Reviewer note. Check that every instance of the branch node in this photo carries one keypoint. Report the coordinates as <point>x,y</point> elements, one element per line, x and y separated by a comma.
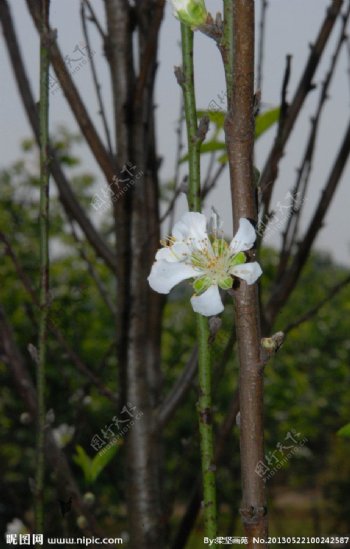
<point>252,515</point>
<point>202,130</point>
<point>270,345</point>
<point>179,75</point>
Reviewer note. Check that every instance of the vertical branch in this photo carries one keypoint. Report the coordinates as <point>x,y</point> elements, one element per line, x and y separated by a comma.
<point>97,85</point>
<point>239,131</point>
<point>136,227</point>
<point>204,360</point>
<point>262,33</point>
<point>44,263</point>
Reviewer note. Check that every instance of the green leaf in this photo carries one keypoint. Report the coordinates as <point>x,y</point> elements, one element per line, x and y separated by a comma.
<point>69,160</point>
<point>85,463</point>
<point>344,431</point>
<point>264,121</point>
<point>101,460</point>
<point>92,468</point>
<point>27,145</point>
<point>223,159</point>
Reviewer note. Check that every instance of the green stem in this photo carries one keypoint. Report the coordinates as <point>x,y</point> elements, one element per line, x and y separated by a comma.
<point>204,358</point>
<point>44,267</point>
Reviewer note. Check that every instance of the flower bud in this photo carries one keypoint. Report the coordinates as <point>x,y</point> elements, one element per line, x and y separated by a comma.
<point>25,418</point>
<point>190,12</point>
<point>81,522</point>
<point>89,498</point>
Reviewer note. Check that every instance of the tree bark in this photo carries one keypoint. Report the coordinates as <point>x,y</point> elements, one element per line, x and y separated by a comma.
<point>238,55</point>
<point>136,222</point>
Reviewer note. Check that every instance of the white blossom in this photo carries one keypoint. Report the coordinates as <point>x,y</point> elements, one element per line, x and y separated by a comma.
<point>63,434</point>
<point>16,526</point>
<point>191,253</point>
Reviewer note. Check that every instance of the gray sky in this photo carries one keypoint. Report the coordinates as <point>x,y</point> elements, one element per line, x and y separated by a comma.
<point>291,26</point>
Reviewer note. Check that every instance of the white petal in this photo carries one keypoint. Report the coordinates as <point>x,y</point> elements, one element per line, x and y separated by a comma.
<point>209,303</point>
<point>249,272</point>
<point>165,275</point>
<point>165,254</point>
<point>177,252</point>
<point>244,237</point>
<point>191,225</point>
<point>179,4</point>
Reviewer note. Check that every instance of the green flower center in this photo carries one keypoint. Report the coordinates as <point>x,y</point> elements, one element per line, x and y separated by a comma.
<point>215,261</point>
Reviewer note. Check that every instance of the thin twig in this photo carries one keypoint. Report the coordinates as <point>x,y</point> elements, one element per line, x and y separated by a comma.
<point>94,274</point>
<point>348,55</point>
<point>270,171</point>
<point>95,79</point>
<point>269,216</point>
<point>261,49</point>
<point>67,196</point>
<point>283,288</point>
<point>179,390</point>
<point>314,310</point>
<point>75,359</point>
<point>210,185</point>
<point>95,20</point>
<point>177,191</point>
<point>290,232</point>
<point>76,104</point>
<point>284,92</point>
<point>65,481</point>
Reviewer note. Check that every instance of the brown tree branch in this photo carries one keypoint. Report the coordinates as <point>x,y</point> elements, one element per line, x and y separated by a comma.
<point>170,211</point>
<point>76,360</point>
<point>94,19</point>
<point>75,102</point>
<point>314,310</point>
<point>238,55</point>
<point>178,391</point>
<point>94,274</point>
<point>270,171</point>
<point>262,33</point>
<point>66,485</point>
<point>139,314</point>
<point>150,50</point>
<point>210,184</point>
<point>67,197</point>
<point>119,50</point>
<point>291,230</point>
<point>97,85</point>
<point>284,92</point>
<point>283,288</point>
